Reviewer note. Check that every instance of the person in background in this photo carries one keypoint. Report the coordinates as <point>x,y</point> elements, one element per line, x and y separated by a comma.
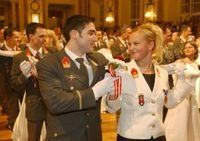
<point>70,84</point>
<point>52,40</point>
<point>187,122</point>
<point>9,97</point>
<point>120,47</point>
<point>145,88</point>
<point>24,77</point>
<point>60,36</point>
<point>175,36</point>
<point>185,32</point>
<point>100,43</point>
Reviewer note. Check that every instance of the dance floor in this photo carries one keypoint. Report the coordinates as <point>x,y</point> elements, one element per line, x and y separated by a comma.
<point>108,128</point>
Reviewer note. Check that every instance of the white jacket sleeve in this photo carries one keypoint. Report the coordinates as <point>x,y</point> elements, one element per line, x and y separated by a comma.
<point>178,93</point>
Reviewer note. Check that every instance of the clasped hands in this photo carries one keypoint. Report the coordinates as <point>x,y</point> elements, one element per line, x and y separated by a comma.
<point>112,84</point>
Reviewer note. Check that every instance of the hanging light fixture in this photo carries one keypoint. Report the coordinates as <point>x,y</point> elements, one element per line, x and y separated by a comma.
<point>110,18</point>
<point>150,11</point>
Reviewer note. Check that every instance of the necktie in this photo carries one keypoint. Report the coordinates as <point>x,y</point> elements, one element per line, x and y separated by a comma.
<point>38,55</point>
<point>83,70</point>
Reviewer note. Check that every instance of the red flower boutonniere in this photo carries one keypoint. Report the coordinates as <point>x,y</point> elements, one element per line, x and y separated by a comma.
<point>65,62</point>
<point>28,52</point>
<point>30,56</point>
<point>134,73</point>
<point>111,68</point>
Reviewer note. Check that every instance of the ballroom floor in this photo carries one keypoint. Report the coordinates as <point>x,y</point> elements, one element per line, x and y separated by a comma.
<point>108,128</point>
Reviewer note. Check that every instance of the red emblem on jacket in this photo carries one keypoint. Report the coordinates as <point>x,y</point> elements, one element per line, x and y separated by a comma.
<point>65,62</point>
<point>141,99</point>
<point>134,73</point>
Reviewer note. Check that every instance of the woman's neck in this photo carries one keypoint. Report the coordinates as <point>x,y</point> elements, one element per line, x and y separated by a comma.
<point>146,68</point>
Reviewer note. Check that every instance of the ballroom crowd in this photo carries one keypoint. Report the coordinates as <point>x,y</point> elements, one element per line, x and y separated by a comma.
<point>64,77</point>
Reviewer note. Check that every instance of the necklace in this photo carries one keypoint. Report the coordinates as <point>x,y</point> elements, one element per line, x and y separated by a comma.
<point>147,70</point>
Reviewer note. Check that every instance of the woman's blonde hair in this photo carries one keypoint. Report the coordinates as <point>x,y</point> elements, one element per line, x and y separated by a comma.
<point>153,32</point>
<point>54,40</point>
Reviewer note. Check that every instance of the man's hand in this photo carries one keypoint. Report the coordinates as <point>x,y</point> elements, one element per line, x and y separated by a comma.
<point>26,68</point>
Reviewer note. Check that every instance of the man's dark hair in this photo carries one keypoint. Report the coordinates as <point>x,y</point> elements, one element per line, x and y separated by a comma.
<point>31,28</point>
<point>184,27</point>
<point>8,32</point>
<point>76,22</point>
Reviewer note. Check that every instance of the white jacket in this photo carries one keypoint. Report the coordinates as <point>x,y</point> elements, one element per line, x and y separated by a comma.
<point>144,121</point>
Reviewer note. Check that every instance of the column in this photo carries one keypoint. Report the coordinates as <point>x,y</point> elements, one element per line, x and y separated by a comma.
<point>21,13</point>
<point>13,5</point>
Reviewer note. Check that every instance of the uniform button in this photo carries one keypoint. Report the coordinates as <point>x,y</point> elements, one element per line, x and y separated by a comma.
<point>153,126</point>
<point>55,134</point>
<point>153,114</point>
<point>87,126</point>
<point>71,88</point>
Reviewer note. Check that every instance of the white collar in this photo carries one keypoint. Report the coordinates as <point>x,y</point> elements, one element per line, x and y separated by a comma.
<point>9,48</point>
<point>33,51</point>
<point>73,56</point>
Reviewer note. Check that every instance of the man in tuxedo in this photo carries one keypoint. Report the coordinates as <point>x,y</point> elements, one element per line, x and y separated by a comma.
<point>9,97</point>
<point>71,89</point>
<point>24,78</point>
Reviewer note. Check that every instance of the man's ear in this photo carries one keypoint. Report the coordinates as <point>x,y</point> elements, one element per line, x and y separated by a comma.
<point>74,34</point>
<point>31,36</point>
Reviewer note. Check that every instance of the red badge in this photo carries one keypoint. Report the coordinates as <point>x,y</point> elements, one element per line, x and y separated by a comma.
<point>141,99</point>
<point>65,62</point>
<point>134,73</point>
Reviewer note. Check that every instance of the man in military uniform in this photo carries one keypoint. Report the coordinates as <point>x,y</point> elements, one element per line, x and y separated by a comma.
<point>70,84</point>
<point>100,43</point>
<point>120,47</point>
<point>24,77</point>
<point>178,44</point>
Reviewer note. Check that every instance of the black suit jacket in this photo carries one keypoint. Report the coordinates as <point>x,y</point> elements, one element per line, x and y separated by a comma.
<point>5,68</point>
<point>72,112</point>
<point>35,109</point>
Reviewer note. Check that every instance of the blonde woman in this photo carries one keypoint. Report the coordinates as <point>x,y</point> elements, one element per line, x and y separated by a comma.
<point>145,89</point>
<point>52,40</point>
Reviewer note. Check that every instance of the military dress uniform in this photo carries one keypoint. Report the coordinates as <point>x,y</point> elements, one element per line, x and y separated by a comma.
<point>35,110</point>
<point>73,114</point>
<point>120,50</point>
<point>99,45</point>
<point>178,47</point>
<point>141,107</point>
